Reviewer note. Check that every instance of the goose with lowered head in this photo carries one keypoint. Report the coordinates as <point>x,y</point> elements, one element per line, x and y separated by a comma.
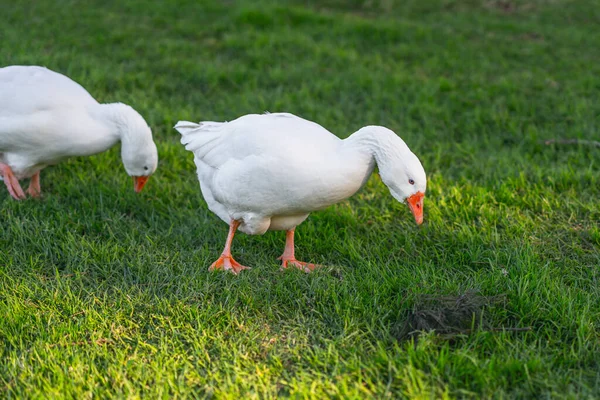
<point>46,118</point>
<point>268,172</point>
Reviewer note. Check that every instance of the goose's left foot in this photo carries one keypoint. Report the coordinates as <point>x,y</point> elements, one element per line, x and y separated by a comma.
<point>34,188</point>
<point>292,262</point>
<point>11,182</point>
<point>289,260</point>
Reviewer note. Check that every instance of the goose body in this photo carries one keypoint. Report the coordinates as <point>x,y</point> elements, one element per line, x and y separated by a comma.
<point>268,172</point>
<point>45,118</point>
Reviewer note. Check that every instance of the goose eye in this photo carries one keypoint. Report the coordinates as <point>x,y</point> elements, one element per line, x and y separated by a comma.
<point>411,181</point>
<point>145,168</point>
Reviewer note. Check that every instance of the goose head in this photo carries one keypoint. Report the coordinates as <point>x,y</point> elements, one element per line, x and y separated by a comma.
<point>405,177</point>
<point>399,168</point>
<point>138,151</point>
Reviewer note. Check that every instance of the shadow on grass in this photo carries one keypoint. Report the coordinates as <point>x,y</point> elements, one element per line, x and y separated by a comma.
<point>450,316</point>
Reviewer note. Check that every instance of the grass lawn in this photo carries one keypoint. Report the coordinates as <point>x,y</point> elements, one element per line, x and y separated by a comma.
<point>106,293</point>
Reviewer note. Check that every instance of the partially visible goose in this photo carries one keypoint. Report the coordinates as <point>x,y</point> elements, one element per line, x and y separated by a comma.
<point>46,117</point>
<point>268,172</point>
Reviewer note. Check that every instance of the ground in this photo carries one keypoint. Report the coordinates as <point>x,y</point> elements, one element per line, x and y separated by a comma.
<point>106,293</point>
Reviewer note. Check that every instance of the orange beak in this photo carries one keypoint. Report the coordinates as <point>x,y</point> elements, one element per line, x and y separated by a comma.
<point>415,203</point>
<point>139,182</point>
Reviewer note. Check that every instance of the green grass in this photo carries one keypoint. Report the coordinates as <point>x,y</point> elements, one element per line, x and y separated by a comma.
<point>106,293</point>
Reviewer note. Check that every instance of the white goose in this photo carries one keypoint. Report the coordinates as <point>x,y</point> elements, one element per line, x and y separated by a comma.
<point>46,117</point>
<point>268,172</point>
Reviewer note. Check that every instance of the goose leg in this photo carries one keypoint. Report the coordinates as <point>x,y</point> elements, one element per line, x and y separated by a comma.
<point>34,189</point>
<point>226,261</point>
<point>11,182</point>
<point>288,259</point>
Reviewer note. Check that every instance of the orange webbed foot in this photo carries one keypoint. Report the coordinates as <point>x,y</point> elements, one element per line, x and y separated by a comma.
<point>34,192</point>
<point>227,263</point>
<point>292,262</point>
<point>12,183</point>
<point>34,188</point>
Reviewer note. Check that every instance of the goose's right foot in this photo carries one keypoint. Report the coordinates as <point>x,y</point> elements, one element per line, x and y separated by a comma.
<point>226,261</point>
<point>34,189</point>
